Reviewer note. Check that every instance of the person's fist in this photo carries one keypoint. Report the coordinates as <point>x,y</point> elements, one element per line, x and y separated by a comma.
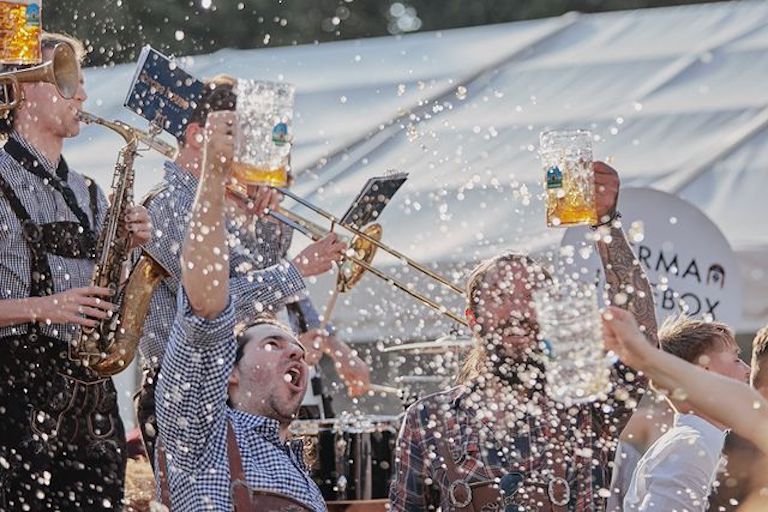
<point>622,336</point>
<point>220,131</point>
<point>606,190</point>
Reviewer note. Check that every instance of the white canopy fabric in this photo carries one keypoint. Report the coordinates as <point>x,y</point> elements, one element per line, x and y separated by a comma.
<point>676,97</point>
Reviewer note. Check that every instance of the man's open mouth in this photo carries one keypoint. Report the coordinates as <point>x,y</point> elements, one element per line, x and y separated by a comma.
<point>294,377</point>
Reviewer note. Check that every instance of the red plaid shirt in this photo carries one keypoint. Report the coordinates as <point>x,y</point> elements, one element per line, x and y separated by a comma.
<point>484,450</point>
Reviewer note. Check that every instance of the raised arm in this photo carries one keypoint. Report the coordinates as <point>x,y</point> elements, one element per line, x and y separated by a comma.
<point>192,387</point>
<point>627,285</point>
<point>205,258</point>
<point>744,410</point>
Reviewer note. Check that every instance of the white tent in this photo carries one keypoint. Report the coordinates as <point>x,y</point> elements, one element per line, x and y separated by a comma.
<point>677,97</point>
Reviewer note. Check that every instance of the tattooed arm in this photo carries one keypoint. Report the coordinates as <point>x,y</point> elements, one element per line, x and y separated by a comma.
<point>627,287</point>
<point>626,284</point>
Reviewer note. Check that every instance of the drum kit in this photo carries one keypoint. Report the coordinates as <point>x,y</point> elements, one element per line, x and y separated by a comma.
<point>352,457</point>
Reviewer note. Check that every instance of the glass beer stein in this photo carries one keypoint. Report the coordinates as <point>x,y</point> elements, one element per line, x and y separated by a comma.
<point>20,31</point>
<point>569,180</point>
<point>263,147</point>
<point>571,333</point>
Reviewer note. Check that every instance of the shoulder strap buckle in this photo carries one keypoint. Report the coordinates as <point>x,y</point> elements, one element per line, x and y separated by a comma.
<point>33,233</point>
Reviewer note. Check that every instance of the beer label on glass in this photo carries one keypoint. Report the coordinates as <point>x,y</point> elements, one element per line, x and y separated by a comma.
<point>20,30</point>
<point>554,177</point>
<point>280,134</point>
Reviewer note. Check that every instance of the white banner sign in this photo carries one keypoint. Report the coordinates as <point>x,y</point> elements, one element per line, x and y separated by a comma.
<point>689,262</point>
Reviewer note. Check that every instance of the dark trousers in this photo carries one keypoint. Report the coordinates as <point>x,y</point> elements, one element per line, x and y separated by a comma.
<point>61,436</point>
<point>144,401</point>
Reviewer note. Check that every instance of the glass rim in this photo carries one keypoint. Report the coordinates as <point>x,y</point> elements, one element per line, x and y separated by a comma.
<point>268,83</point>
<point>565,132</point>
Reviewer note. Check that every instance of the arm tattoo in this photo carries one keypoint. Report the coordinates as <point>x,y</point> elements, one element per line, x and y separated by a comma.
<point>626,283</point>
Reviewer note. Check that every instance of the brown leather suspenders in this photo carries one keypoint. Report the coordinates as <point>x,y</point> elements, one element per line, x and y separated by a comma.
<point>244,499</point>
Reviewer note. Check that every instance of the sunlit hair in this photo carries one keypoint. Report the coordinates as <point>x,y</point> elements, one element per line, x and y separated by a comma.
<point>689,338</point>
<point>47,42</point>
<point>759,359</point>
<point>218,96</point>
<point>241,331</point>
<point>535,275</point>
<point>50,39</point>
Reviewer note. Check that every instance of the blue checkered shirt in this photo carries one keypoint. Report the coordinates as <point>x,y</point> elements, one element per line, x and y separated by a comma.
<point>273,240</point>
<point>44,204</point>
<point>192,415</point>
<point>254,286</point>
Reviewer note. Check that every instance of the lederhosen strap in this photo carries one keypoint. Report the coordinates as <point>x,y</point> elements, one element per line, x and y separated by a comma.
<point>241,497</point>
<point>241,494</point>
<point>463,495</point>
<point>246,499</point>
<point>162,474</point>
<point>58,180</point>
<point>93,195</point>
<point>66,239</point>
<point>474,497</point>
<point>42,279</point>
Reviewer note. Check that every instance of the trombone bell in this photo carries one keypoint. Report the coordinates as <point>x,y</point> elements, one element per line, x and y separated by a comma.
<point>351,271</point>
<point>366,241</point>
<point>62,70</point>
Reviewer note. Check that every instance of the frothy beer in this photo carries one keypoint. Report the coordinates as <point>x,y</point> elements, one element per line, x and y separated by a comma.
<point>566,157</point>
<point>20,32</point>
<point>262,153</point>
<point>250,174</point>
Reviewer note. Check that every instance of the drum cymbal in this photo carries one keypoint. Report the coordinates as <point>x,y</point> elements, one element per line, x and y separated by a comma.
<point>438,346</point>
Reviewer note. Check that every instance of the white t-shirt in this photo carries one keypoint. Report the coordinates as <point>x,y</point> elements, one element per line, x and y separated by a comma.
<point>625,461</point>
<point>677,471</point>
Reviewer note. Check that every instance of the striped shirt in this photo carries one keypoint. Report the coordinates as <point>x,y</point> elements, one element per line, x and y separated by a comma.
<point>192,414</point>
<point>254,286</point>
<point>44,205</point>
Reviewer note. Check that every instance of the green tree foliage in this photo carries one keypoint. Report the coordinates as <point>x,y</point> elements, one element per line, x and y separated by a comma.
<point>115,30</point>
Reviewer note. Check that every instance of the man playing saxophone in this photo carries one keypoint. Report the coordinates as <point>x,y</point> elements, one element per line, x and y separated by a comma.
<point>61,438</point>
<point>255,287</point>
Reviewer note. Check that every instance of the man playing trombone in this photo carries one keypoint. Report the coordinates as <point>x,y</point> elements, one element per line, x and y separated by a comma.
<point>61,438</point>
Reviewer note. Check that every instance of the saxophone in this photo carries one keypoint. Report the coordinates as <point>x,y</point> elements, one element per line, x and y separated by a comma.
<point>110,347</point>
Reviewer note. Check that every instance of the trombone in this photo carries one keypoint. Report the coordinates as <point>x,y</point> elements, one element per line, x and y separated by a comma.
<point>62,71</point>
<point>363,247</point>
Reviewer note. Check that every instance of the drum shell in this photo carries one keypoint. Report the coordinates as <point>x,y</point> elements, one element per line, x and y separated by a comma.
<point>351,460</point>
